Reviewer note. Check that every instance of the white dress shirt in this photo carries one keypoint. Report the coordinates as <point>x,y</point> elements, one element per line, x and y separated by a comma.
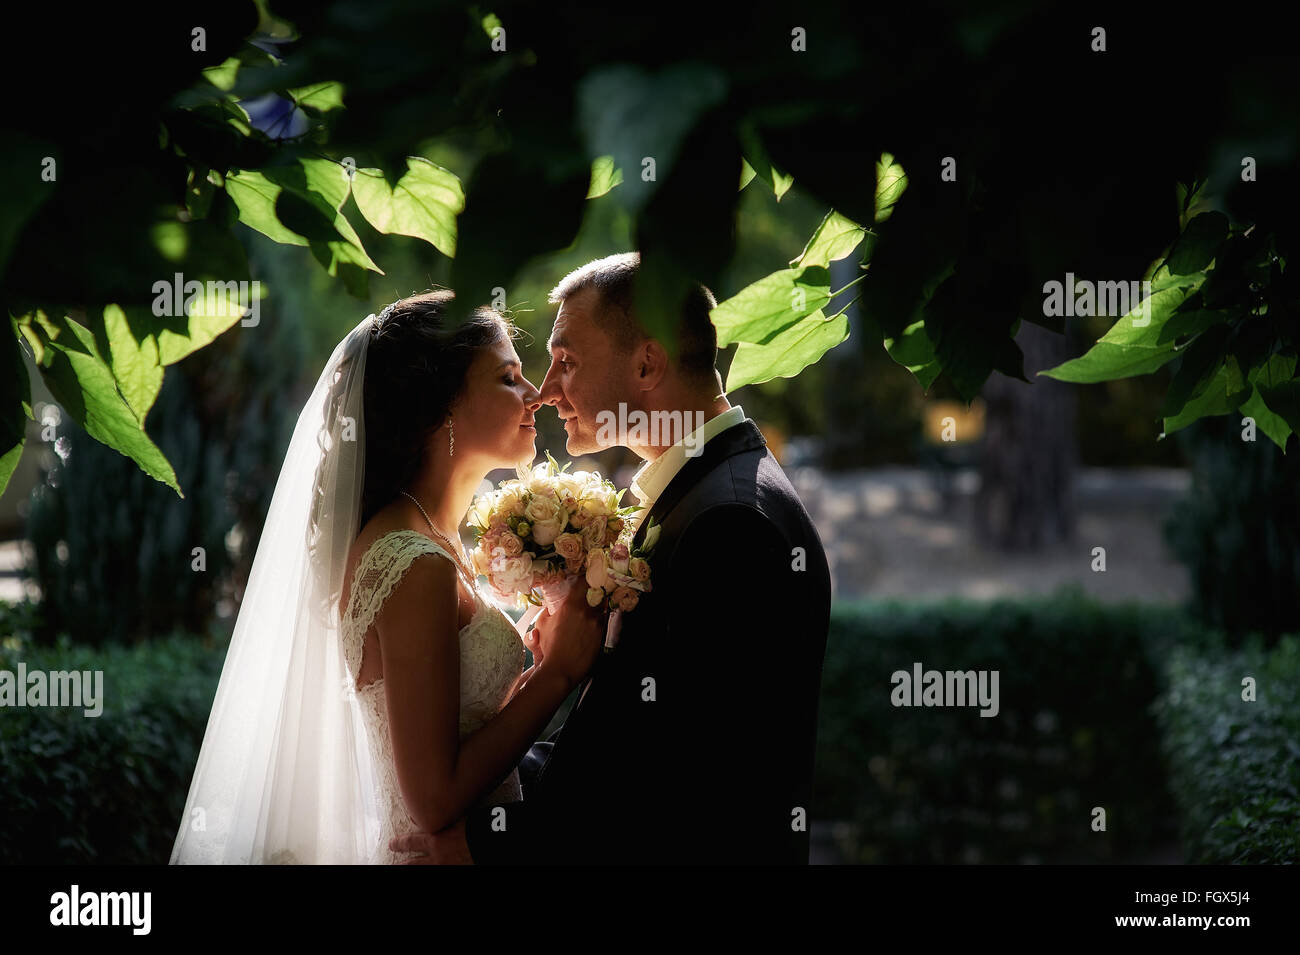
<point>650,481</point>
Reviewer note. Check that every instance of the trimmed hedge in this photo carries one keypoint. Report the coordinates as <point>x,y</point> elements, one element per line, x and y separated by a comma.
<point>1234,764</point>
<point>1078,727</point>
<point>111,788</point>
<point>945,785</point>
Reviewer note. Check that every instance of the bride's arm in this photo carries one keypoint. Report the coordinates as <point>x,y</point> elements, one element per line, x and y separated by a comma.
<point>441,776</point>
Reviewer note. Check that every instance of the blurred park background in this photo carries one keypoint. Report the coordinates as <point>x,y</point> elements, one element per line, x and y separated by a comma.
<point>1120,688</point>
<point>1123,585</point>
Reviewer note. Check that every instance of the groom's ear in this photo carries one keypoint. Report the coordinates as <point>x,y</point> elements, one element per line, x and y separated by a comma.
<point>651,363</point>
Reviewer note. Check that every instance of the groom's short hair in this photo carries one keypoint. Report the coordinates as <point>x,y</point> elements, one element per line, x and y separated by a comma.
<point>614,279</point>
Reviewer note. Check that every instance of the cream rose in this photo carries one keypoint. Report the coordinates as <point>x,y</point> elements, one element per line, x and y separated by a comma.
<point>597,569</point>
<point>624,598</point>
<point>593,535</point>
<point>569,546</point>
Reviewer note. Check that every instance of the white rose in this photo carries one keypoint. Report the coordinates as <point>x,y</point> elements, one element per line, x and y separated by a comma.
<point>597,569</point>
<point>545,532</point>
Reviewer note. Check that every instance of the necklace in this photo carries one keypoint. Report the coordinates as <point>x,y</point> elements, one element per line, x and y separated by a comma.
<point>454,549</point>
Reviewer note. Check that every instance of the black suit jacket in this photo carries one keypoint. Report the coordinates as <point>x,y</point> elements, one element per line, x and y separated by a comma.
<point>693,740</point>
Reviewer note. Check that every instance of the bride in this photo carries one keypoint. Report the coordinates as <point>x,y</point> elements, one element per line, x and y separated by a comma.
<point>368,693</point>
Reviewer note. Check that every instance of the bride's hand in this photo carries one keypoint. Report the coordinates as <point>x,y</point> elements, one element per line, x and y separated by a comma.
<point>531,635</point>
<point>571,640</point>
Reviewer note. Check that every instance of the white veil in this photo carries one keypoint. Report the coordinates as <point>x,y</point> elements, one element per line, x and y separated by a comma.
<point>284,774</point>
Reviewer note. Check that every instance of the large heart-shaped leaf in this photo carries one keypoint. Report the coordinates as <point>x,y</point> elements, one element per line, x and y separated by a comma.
<point>758,312</point>
<point>424,203</point>
<point>789,352</point>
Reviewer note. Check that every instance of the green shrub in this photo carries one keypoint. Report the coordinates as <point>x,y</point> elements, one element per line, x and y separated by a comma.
<point>1078,727</point>
<point>1234,764</point>
<point>1074,731</point>
<point>111,788</point>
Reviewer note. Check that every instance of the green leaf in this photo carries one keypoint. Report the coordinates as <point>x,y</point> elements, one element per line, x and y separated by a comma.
<point>747,174</point>
<point>1223,394</point>
<point>254,196</point>
<point>223,75</point>
<point>1284,401</point>
<point>760,311</point>
<point>1276,370</point>
<point>257,194</point>
<point>15,403</point>
<point>1132,346</point>
<point>136,365</point>
<point>321,97</point>
<point>891,183</point>
<point>915,352</point>
<point>756,159</point>
<point>84,386</point>
<point>835,237</point>
<point>604,176</point>
<point>424,203</point>
<point>304,217</point>
<point>204,321</point>
<point>789,353</point>
<point>1198,244</point>
<point>1273,425</point>
<point>1185,324</point>
<point>1200,362</point>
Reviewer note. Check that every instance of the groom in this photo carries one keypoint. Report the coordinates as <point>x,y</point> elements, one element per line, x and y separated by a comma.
<point>692,740</point>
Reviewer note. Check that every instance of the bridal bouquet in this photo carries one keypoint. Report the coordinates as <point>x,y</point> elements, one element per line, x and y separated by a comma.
<point>541,533</point>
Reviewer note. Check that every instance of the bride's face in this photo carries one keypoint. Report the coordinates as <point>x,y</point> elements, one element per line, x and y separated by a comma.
<point>495,418</point>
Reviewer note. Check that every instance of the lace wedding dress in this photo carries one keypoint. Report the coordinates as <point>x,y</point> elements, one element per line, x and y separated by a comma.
<point>491,659</point>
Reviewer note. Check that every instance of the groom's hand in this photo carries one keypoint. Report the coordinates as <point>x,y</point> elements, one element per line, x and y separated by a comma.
<point>445,847</point>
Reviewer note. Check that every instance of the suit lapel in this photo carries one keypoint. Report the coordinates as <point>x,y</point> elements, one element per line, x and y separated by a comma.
<point>744,436</point>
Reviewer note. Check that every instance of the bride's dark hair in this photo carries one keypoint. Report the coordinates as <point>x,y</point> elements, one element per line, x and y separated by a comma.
<point>415,367</point>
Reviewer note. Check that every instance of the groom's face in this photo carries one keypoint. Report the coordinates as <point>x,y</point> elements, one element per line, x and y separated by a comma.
<point>587,376</point>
